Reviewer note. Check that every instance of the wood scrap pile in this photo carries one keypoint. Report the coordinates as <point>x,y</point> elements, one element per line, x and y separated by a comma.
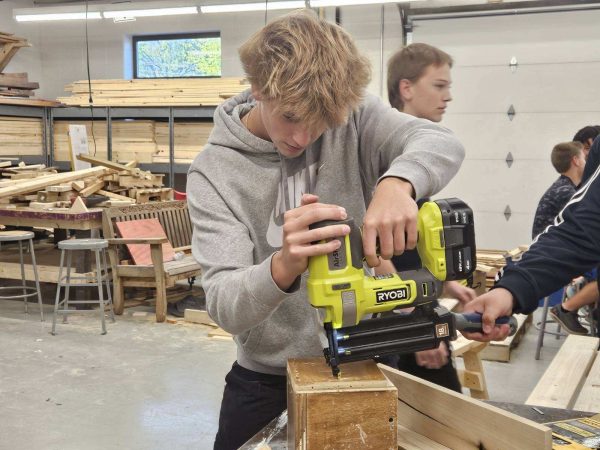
<point>154,92</point>
<point>131,140</point>
<point>491,261</point>
<point>21,136</point>
<point>15,88</point>
<point>39,187</point>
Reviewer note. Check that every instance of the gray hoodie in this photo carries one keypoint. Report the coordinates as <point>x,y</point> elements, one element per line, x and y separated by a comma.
<point>239,187</point>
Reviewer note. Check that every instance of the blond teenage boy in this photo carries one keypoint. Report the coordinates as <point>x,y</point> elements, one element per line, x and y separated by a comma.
<point>305,144</point>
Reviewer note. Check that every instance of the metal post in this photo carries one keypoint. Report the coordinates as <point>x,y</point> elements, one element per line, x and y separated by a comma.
<point>381,31</point>
<point>108,134</point>
<point>171,147</point>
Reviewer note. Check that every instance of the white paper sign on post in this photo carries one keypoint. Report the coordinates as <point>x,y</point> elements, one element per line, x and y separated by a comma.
<point>78,144</point>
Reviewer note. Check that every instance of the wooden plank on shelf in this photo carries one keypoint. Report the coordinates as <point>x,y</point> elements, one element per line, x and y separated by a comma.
<point>28,102</point>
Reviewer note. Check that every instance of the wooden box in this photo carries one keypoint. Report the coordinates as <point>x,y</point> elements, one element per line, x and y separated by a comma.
<point>356,410</point>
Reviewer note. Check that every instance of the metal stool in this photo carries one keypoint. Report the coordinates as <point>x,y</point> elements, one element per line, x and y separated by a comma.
<point>541,325</point>
<point>98,246</point>
<point>28,291</point>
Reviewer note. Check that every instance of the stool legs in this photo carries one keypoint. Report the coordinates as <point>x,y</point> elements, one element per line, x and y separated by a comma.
<point>67,286</point>
<point>100,295</point>
<point>23,276</point>
<point>56,301</point>
<point>101,278</point>
<point>107,281</point>
<point>37,279</point>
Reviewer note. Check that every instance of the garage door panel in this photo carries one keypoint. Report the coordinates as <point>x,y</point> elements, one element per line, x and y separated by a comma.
<point>538,88</point>
<point>493,231</point>
<point>527,136</point>
<point>486,185</point>
<point>532,38</point>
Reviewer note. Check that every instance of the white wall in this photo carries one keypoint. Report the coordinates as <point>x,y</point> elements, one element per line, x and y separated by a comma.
<point>27,59</point>
<point>62,44</point>
<point>553,91</point>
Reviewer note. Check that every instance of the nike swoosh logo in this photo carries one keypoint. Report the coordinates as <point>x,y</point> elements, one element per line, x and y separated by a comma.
<point>274,230</point>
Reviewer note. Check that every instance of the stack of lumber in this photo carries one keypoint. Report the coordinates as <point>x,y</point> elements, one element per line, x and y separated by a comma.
<point>42,188</point>
<point>190,139</point>
<point>21,136</point>
<point>491,261</point>
<point>16,85</point>
<point>131,140</point>
<point>154,92</point>
<point>15,88</point>
<point>145,141</point>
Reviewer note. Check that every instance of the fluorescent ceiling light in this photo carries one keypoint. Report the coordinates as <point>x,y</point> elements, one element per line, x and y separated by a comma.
<point>240,7</point>
<point>157,12</point>
<point>294,4</point>
<point>324,3</point>
<point>56,16</point>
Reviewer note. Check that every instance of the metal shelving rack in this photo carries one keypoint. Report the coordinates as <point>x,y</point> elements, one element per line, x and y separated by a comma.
<point>108,113</point>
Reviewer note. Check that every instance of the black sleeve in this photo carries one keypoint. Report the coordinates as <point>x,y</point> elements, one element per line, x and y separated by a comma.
<point>593,161</point>
<point>563,252</point>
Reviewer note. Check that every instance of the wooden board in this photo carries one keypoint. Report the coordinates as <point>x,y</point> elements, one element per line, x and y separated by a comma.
<point>457,421</point>
<point>589,396</point>
<point>357,410</point>
<point>409,440</point>
<point>145,228</point>
<point>28,102</point>
<point>198,316</point>
<point>562,381</point>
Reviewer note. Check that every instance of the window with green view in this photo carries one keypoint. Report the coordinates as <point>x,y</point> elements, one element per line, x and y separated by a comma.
<point>176,56</point>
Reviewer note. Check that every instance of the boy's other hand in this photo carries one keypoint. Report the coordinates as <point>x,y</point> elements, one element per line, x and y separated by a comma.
<point>299,241</point>
<point>454,289</point>
<point>391,216</point>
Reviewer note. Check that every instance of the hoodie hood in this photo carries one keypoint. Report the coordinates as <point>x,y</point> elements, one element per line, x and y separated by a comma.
<point>230,132</point>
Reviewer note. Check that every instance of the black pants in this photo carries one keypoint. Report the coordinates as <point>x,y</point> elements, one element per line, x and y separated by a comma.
<point>445,376</point>
<point>250,401</point>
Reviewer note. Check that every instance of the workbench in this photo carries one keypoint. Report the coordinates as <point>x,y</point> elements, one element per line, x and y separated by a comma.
<point>59,218</point>
<point>86,224</point>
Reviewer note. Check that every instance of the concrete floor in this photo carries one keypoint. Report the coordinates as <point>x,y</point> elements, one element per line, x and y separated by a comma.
<point>144,385</point>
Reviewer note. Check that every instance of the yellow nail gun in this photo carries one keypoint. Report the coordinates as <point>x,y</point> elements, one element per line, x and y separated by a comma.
<point>337,283</point>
